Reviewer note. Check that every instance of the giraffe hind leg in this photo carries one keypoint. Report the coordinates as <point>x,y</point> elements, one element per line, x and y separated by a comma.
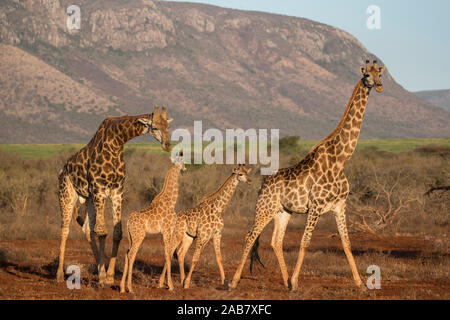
<point>254,255</point>
<point>260,223</point>
<point>67,200</point>
<point>99,199</point>
<point>280,223</point>
<point>88,228</point>
<point>311,222</point>
<point>199,246</point>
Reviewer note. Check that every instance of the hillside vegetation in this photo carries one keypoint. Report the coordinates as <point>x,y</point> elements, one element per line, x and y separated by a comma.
<point>229,68</point>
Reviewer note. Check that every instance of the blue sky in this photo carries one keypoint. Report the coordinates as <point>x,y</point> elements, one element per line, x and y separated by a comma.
<point>414,39</point>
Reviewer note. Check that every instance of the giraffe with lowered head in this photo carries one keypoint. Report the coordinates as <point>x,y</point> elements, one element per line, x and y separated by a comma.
<point>314,186</point>
<point>158,217</point>
<point>97,172</point>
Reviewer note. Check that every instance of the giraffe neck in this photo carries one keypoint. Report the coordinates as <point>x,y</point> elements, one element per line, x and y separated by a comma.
<point>114,132</point>
<point>341,143</point>
<point>348,132</point>
<point>223,195</point>
<point>126,128</point>
<point>169,193</point>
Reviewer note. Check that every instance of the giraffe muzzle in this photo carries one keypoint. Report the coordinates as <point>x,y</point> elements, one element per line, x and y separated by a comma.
<point>379,88</point>
<point>166,147</point>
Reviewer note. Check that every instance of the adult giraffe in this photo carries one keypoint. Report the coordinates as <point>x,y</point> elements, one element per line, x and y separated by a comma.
<point>97,172</point>
<point>314,186</point>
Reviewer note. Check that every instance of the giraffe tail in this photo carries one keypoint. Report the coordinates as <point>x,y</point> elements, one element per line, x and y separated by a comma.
<point>254,256</point>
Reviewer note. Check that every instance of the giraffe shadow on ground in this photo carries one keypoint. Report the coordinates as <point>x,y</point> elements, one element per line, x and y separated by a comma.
<point>18,269</point>
<point>147,273</point>
<point>152,269</point>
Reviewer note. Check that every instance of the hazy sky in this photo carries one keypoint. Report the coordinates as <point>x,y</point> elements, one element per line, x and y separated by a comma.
<point>414,39</point>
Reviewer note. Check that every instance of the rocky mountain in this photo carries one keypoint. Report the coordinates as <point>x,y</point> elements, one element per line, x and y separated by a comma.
<point>229,68</point>
<point>439,98</point>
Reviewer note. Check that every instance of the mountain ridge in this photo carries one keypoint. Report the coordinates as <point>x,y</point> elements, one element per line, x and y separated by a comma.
<point>227,67</point>
<point>439,98</point>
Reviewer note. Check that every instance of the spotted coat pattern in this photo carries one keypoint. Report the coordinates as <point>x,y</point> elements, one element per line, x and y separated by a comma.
<point>314,186</point>
<point>158,217</point>
<point>203,223</point>
<point>97,172</point>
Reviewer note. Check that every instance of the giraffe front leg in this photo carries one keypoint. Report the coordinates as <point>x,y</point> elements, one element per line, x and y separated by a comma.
<point>280,223</point>
<point>216,240</point>
<point>339,212</point>
<point>116,197</point>
<point>99,199</point>
<point>168,259</point>
<point>311,223</point>
<point>67,200</point>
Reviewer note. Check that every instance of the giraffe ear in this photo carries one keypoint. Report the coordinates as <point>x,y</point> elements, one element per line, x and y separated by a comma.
<point>381,70</point>
<point>248,170</point>
<point>363,70</point>
<point>169,120</point>
<point>144,121</point>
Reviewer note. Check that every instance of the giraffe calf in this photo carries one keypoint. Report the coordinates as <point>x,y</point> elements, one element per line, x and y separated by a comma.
<point>203,223</point>
<point>159,217</point>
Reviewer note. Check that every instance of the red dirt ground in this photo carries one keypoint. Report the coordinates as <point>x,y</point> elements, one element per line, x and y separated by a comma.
<point>411,268</point>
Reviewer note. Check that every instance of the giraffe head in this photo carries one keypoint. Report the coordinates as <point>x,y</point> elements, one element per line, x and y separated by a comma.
<point>179,161</point>
<point>158,126</point>
<point>372,75</point>
<point>242,173</point>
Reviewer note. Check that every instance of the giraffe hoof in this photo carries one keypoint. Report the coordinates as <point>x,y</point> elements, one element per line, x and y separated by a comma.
<point>60,277</point>
<point>362,287</point>
<point>292,288</point>
<point>109,281</point>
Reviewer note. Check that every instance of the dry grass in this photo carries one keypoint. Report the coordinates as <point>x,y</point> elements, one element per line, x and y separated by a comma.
<point>29,207</point>
<point>412,249</point>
